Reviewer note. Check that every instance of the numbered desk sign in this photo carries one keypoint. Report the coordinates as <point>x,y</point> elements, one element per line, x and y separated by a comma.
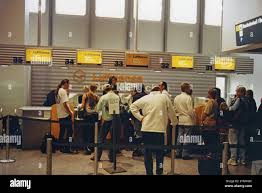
<point>114,106</point>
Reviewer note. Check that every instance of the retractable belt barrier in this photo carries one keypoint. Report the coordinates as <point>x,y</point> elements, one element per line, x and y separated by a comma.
<point>79,122</point>
<point>219,148</point>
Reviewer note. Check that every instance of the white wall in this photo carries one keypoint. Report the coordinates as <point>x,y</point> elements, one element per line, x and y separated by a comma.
<point>249,81</point>
<point>100,33</point>
<point>234,12</point>
<point>12,19</point>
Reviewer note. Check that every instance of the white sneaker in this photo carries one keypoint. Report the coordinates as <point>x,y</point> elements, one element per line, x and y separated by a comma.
<point>232,162</point>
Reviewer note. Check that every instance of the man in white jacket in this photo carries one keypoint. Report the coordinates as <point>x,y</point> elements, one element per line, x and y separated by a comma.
<point>184,108</point>
<point>156,109</point>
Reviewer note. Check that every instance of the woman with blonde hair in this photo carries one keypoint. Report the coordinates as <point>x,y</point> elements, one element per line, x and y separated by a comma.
<point>89,102</point>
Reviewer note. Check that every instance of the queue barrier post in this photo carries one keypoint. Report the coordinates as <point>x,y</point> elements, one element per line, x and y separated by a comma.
<point>2,128</point>
<point>7,147</point>
<point>96,148</point>
<point>96,151</point>
<point>49,156</point>
<point>115,169</point>
<point>224,159</point>
<point>173,152</point>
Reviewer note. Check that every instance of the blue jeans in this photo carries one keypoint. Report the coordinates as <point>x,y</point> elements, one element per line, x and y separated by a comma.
<point>65,125</point>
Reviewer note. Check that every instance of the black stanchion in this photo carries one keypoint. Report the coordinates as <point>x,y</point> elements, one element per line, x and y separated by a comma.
<point>173,152</point>
<point>49,156</point>
<point>7,150</point>
<point>224,165</point>
<point>2,128</point>
<point>115,169</point>
<point>96,151</point>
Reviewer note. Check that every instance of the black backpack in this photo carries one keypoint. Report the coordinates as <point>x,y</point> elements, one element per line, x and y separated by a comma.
<point>44,143</point>
<point>50,99</point>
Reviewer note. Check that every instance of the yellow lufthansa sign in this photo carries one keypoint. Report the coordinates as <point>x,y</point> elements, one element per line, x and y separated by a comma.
<point>225,63</point>
<point>183,62</point>
<point>137,59</point>
<point>89,57</point>
<point>43,56</point>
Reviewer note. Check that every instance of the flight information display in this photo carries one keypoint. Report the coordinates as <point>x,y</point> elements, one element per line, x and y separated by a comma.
<point>249,32</point>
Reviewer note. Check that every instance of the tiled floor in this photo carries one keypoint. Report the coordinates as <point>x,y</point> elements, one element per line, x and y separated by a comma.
<point>34,163</point>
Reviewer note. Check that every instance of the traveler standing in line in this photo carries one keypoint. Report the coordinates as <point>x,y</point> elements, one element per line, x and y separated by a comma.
<point>219,99</point>
<point>164,89</point>
<point>209,119</point>
<point>210,113</point>
<point>255,145</point>
<point>89,102</point>
<point>240,120</point>
<point>211,164</point>
<point>251,125</point>
<point>168,136</point>
<point>136,95</point>
<point>64,112</point>
<point>253,104</point>
<point>260,108</point>
<point>113,82</point>
<point>184,108</point>
<point>103,106</point>
<point>156,109</point>
<point>80,97</point>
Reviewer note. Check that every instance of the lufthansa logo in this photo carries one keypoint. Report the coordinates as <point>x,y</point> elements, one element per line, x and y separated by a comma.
<point>79,76</point>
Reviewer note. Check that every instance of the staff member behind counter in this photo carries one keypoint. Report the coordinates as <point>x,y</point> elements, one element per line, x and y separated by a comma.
<point>64,112</point>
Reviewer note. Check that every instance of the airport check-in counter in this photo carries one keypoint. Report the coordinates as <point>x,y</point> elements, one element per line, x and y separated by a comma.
<point>32,130</point>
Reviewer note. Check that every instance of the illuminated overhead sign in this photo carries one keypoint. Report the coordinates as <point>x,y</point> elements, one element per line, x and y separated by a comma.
<point>38,56</point>
<point>137,59</point>
<point>89,57</point>
<point>183,62</point>
<point>249,32</point>
<point>225,63</point>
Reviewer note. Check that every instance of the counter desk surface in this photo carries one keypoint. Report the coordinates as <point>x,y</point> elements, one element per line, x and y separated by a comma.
<point>33,130</point>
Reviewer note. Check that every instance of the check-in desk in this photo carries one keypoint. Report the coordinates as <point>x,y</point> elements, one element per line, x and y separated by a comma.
<point>33,131</point>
